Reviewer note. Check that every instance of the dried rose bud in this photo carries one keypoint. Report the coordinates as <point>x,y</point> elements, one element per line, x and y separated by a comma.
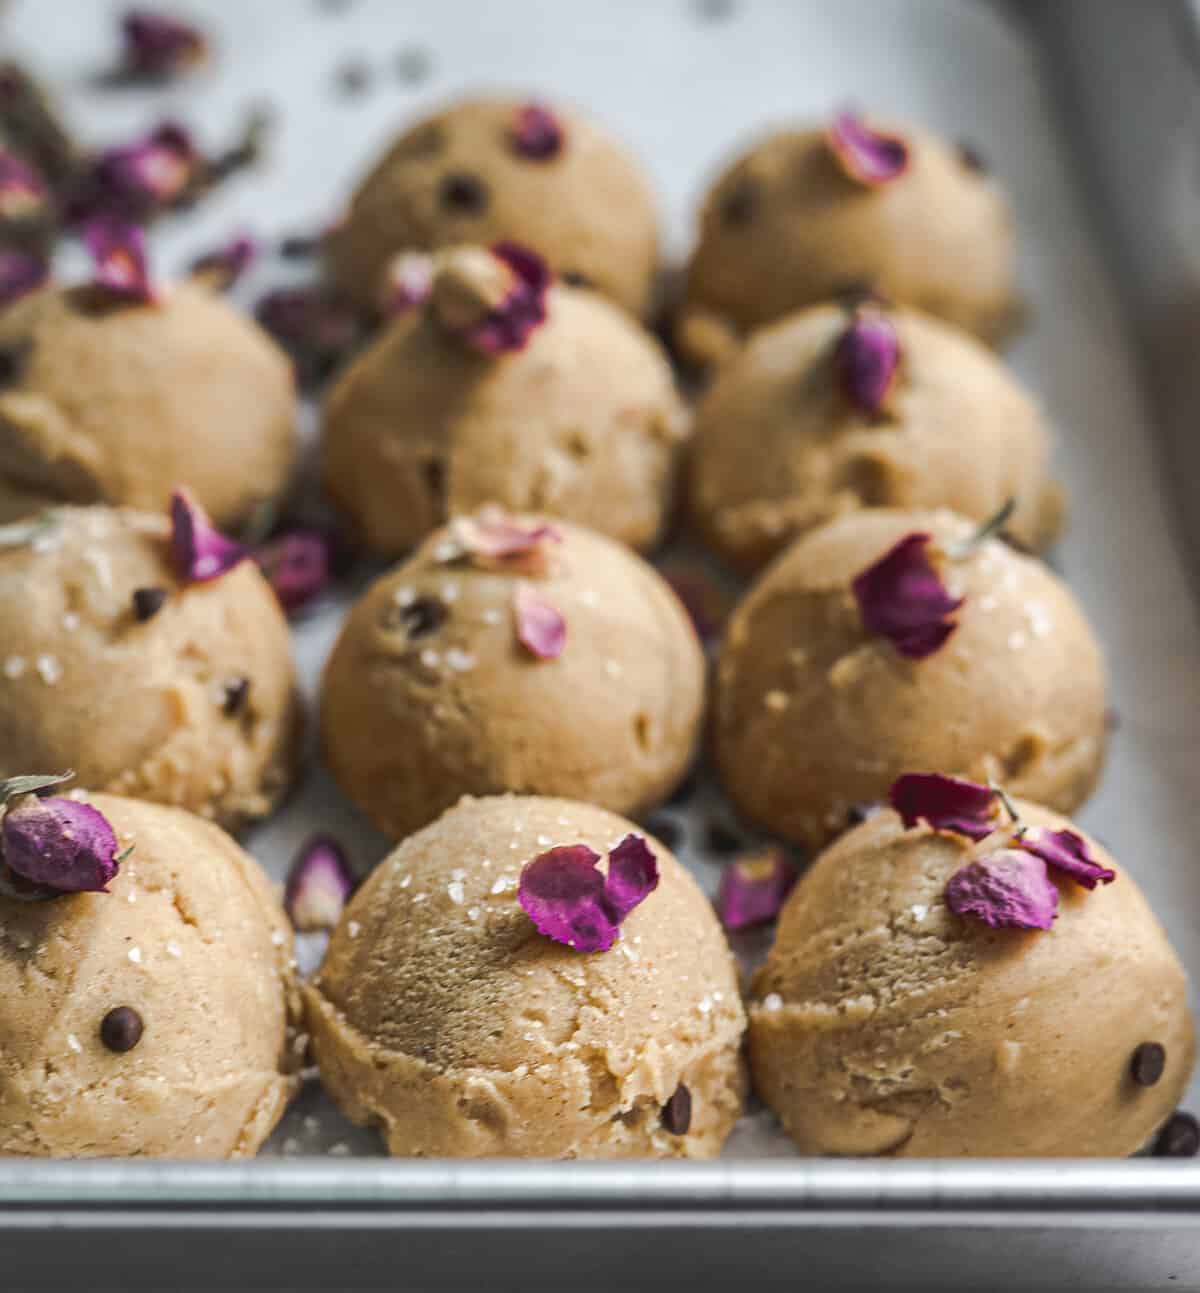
<point>21,272</point>
<point>571,901</point>
<point>314,325</point>
<point>867,156</point>
<point>318,885</point>
<point>901,597</point>
<point>1008,889</point>
<point>408,281</point>
<point>138,179</point>
<point>118,253</point>
<point>944,803</point>
<point>541,629</point>
<point>867,358</point>
<point>494,540</point>
<point>1067,852</point>
<point>753,889</point>
<point>224,266</point>
<point>159,46</point>
<point>297,565</point>
<point>24,196</point>
<point>199,550</point>
<point>60,844</point>
<point>537,134</point>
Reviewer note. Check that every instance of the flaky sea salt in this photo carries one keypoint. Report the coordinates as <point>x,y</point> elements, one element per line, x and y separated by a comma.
<point>353,928</point>
<point>73,1043</point>
<point>49,670</point>
<point>460,660</point>
<point>135,955</point>
<point>772,1001</point>
<point>14,666</point>
<point>456,891</point>
<point>173,948</point>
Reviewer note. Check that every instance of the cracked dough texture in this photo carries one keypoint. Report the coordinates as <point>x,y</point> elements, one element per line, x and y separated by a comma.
<point>120,403</point>
<point>412,721</point>
<point>584,422</point>
<point>779,449</point>
<point>443,1017</point>
<point>589,211</point>
<point>901,1029</point>
<point>939,238</point>
<point>813,716</point>
<point>212,981</point>
<point>137,708</point>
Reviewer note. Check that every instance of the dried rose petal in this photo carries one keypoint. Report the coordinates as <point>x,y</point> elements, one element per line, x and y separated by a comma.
<point>62,844</point>
<point>536,133</point>
<point>632,875</point>
<point>495,540</point>
<point>867,156</point>
<point>1006,890</point>
<point>753,889</point>
<point>118,253</point>
<point>314,325</point>
<point>224,266</point>
<point>1067,852</point>
<point>23,194</point>
<point>297,565</point>
<point>867,358</point>
<point>159,46</point>
<point>901,597</point>
<point>198,549</point>
<point>21,272</point>
<point>408,282</point>
<point>541,630</point>
<point>944,803</point>
<point>508,327</point>
<point>137,179</point>
<point>318,885</point>
<point>707,603</point>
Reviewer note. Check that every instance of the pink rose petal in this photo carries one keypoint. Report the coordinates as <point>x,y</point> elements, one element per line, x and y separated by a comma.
<point>509,326</point>
<point>867,358</point>
<point>632,875</point>
<point>225,265</point>
<point>318,885</point>
<point>945,803</point>
<point>61,844</point>
<point>536,133</point>
<point>541,630</point>
<point>118,253</point>
<point>158,45</point>
<point>151,173</point>
<point>497,541</point>
<point>1005,890</point>
<point>867,156</point>
<point>297,565</point>
<point>902,597</point>
<point>753,889</point>
<point>199,550</point>
<point>23,194</point>
<point>1068,852</point>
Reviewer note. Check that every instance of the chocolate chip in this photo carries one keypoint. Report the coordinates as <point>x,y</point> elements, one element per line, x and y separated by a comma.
<point>121,1029</point>
<point>677,1112</point>
<point>1148,1062</point>
<point>13,359</point>
<point>424,616</point>
<point>573,278</point>
<point>972,158</point>
<point>1179,1138</point>
<point>353,77</point>
<point>464,192</point>
<point>665,829</point>
<point>413,65</point>
<point>721,838</point>
<point>237,690</point>
<point>739,205</point>
<point>299,246</point>
<point>147,602</point>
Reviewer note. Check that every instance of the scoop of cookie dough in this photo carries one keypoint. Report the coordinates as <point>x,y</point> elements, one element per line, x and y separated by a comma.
<point>583,421</point>
<point>780,446</point>
<point>111,665</point>
<point>442,1015</point>
<point>785,226</point>
<point>191,946</point>
<point>430,693</point>
<point>815,716</point>
<point>109,401</point>
<point>884,1024</point>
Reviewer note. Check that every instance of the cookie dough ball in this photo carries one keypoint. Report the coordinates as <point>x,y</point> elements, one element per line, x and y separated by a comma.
<point>582,421</point>
<point>815,716</point>
<point>191,946</point>
<point>144,685</point>
<point>781,446</point>
<point>442,1015</point>
<point>431,693</point>
<point>785,226</point>
<point>108,401</point>
<point>884,1024</point>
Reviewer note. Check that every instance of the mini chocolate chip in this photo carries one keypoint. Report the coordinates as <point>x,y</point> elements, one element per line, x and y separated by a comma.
<point>424,616</point>
<point>740,204</point>
<point>972,158</point>
<point>1149,1060</point>
<point>147,602</point>
<point>121,1029</point>
<point>665,829</point>
<point>13,359</point>
<point>464,192</point>
<point>1179,1138</point>
<point>573,278</point>
<point>721,838</point>
<point>299,246</point>
<point>353,77</point>
<point>237,690</point>
<point>677,1112</point>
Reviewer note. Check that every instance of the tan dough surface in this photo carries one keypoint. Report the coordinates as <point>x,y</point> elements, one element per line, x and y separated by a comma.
<point>584,422</point>
<point>411,721</point>
<point>779,449</point>
<point>138,707</point>
<point>442,1016</point>
<point>813,716</point>
<point>939,237</point>
<point>589,211</point>
<point>120,403</point>
<point>884,1024</point>
<point>190,936</point>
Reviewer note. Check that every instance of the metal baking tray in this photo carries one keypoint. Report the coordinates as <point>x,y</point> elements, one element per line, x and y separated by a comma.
<point>1088,110</point>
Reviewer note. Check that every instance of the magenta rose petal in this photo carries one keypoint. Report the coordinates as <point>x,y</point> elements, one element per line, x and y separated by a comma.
<point>298,566</point>
<point>753,889</point>
<point>313,324</point>
<point>867,358</point>
<point>944,803</point>
<point>159,46</point>
<point>61,844</point>
<point>562,892</point>
<point>902,597</point>
<point>1005,890</point>
<point>21,272</point>
<point>867,156</point>
<point>118,252</point>
<point>1068,852</point>
<point>541,630</point>
<point>509,326</point>
<point>139,178</point>
<point>495,540</point>
<point>226,264</point>
<point>318,885</point>
<point>23,194</point>
<point>632,875</point>
<point>537,134</point>
<point>199,550</point>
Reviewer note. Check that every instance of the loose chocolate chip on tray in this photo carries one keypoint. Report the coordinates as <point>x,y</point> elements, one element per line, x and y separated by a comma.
<point>721,838</point>
<point>677,1112</point>
<point>1179,1138</point>
<point>665,829</point>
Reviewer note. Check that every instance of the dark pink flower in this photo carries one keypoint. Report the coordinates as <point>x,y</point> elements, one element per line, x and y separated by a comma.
<point>537,134</point>
<point>21,272</point>
<point>867,358</point>
<point>297,565</point>
<point>118,252</point>
<point>61,844</point>
<point>318,885</point>
<point>409,282</point>
<point>23,193</point>
<point>705,600</point>
<point>571,901</point>
<point>160,46</point>
<point>495,540</point>
<point>902,597</point>
<point>199,550</point>
<point>226,264</point>
<point>1008,889</point>
<point>317,328</point>
<point>509,325</point>
<point>867,156</point>
<point>944,803</point>
<point>147,175</point>
<point>541,630</point>
<point>753,889</point>
<point>1067,852</point>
